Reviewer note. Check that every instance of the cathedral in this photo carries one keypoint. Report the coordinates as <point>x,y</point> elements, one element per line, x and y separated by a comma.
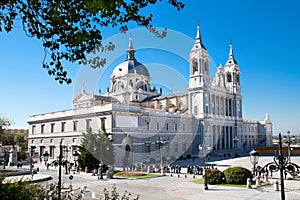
<point>148,126</point>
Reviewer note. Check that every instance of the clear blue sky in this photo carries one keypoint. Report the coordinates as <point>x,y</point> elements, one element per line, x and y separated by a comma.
<point>265,36</point>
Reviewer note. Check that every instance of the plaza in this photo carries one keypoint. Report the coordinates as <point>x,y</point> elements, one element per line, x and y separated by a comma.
<point>180,188</point>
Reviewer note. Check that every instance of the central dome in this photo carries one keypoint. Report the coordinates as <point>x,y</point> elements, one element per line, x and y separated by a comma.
<point>130,65</point>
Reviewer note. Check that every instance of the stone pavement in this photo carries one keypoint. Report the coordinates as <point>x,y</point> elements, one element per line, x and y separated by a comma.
<point>175,188</point>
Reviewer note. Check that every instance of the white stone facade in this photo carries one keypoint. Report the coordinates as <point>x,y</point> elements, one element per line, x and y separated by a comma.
<point>209,112</point>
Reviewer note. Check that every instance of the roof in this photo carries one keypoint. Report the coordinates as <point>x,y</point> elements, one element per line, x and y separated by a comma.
<point>130,66</point>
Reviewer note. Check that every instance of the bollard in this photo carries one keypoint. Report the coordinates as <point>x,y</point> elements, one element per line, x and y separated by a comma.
<point>194,177</point>
<point>249,183</point>
<point>185,176</point>
<point>266,179</point>
<point>257,181</point>
<point>276,186</point>
<point>178,175</point>
<point>171,175</point>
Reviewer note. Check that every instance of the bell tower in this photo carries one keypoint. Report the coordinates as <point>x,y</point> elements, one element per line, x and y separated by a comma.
<point>199,59</point>
<point>232,72</point>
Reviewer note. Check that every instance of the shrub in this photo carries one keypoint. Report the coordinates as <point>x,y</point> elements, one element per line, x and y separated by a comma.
<point>114,194</point>
<point>214,176</point>
<point>237,175</point>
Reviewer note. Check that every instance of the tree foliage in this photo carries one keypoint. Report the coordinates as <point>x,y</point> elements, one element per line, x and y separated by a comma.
<point>70,29</point>
<point>237,175</point>
<point>214,176</point>
<point>114,194</point>
<point>19,190</point>
<point>4,122</point>
<point>95,148</point>
<point>24,190</point>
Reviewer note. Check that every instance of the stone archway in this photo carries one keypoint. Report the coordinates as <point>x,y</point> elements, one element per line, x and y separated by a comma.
<point>127,150</point>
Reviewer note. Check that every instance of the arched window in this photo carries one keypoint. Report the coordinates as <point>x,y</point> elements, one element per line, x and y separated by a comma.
<point>194,66</point>
<point>118,86</point>
<point>127,150</point>
<point>131,83</point>
<point>229,78</point>
<point>142,85</point>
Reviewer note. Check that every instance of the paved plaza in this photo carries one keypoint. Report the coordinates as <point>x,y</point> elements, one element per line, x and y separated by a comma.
<point>180,188</point>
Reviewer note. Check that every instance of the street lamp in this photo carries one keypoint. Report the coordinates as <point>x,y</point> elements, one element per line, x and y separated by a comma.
<point>76,156</point>
<point>289,141</point>
<point>31,155</point>
<point>205,149</point>
<point>235,140</point>
<point>46,156</point>
<point>254,159</point>
<point>160,142</point>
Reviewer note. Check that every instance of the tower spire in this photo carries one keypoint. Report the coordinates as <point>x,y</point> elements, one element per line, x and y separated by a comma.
<point>231,59</point>
<point>230,49</point>
<point>198,36</point>
<point>130,51</point>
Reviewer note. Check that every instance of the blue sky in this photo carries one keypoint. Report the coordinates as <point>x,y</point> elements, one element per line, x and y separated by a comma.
<point>265,37</point>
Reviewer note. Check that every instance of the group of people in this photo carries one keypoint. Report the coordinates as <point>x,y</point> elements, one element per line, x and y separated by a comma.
<point>176,169</point>
<point>19,164</point>
<point>195,169</point>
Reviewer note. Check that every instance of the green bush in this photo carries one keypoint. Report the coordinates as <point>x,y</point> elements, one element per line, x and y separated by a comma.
<point>237,175</point>
<point>214,176</point>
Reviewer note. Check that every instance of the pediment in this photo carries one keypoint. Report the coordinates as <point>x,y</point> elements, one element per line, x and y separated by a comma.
<point>83,97</point>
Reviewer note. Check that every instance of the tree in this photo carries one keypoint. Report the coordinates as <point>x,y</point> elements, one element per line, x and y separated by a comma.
<point>19,190</point>
<point>95,148</point>
<point>24,190</point>
<point>20,141</point>
<point>86,149</point>
<point>4,122</point>
<point>71,29</point>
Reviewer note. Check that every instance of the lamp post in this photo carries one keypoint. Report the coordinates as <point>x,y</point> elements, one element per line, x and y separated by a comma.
<point>281,164</point>
<point>65,161</point>
<point>76,156</point>
<point>254,160</point>
<point>59,170</point>
<point>281,167</point>
<point>204,149</point>
<point>160,142</point>
<point>31,154</point>
<point>235,140</point>
<point>289,141</point>
<point>101,165</point>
